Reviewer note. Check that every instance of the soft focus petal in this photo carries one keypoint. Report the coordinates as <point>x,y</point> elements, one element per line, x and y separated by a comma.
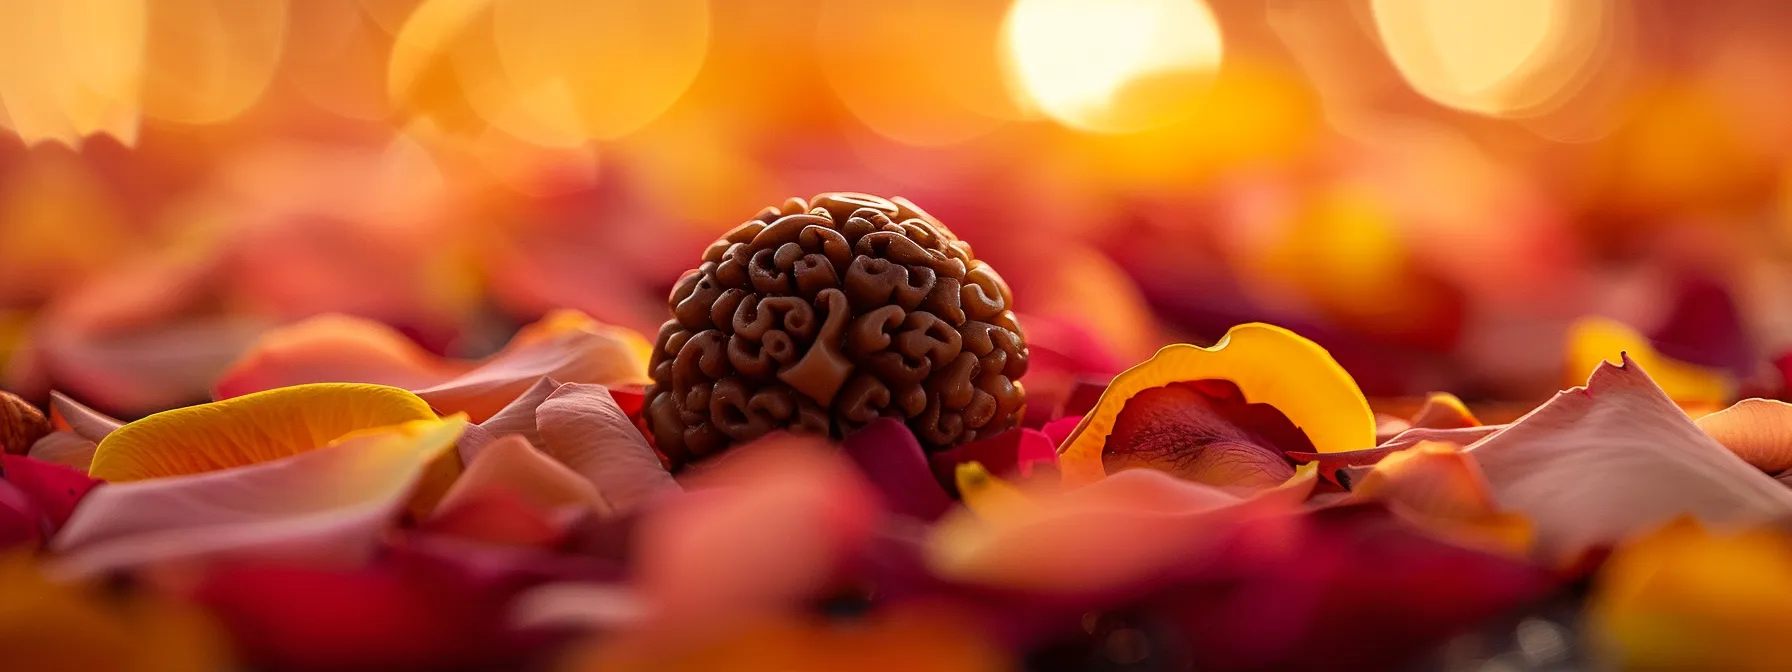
<point>1270,365</point>
<point>566,346</point>
<point>890,457</point>
<point>582,427</point>
<point>63,626</point>
<point>903,639</point>
<point>498,517</point>
<point>1687,598</point>
<point>1595,340</point>
<point>1098,536</point>
<point>404,613</point>
<point>1012,453</point>
<point>56,489</point>
<point>250,429</point>
<point>334,349</point>
<point>329,504</point>
<point>1758,430</point>
<point>1595,465</point>
<point>1444,490</point>
<point>511,465</point>
<point>764,529</point>
<point>1437,478</point>
<point>22,522</point>
<point>1443,410</point>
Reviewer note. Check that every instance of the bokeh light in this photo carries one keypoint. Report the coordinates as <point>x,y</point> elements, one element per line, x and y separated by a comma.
<point>1113,65</point>
<point>1495,57</point>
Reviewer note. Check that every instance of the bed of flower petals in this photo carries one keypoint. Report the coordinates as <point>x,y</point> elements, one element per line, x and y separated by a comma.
<point>352,503</point>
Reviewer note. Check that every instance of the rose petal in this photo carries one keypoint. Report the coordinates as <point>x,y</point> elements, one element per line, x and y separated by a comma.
<point>1011,453</point>
<point>760,532</point>
<point>499,517</point>
<point>329,504</point>
<point>1443,410</point>
<point>1758,430</point>
<point>1595,465</point>
<point>582,427</point>
<point>890,457</point>
<point>518,417</point>
<point>512,465</point>
<point>65,448</point>
<point>1687,598</point>
<point>250,429</point>
<point>903,638</point>
<point>1593,341</point>
<point>1443,489</point>
<point>22,522</point>
<point>334,349</point>
<point>1060,430</point>
<point>56,489</point>
<point>410,615</point>
<point>85,422</point>
<point>1182,430</point>
<point>1097,537</point>
<point>52,624</point>
<point>565,346</point>
<point>1268,364</point>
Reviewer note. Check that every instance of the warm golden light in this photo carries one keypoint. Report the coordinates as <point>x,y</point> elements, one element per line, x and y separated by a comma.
<point>1113,65</point>
<point>950,91</point>
<point>1494,57</point>
<point>554,73</point>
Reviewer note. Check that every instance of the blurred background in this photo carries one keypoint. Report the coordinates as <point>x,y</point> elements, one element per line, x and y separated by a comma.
<point>1436,190</point>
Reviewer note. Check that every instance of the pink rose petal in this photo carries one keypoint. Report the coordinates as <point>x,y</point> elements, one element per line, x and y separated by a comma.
<point>582,427</point>
<point>327,505</point>
<point>1596,465</point>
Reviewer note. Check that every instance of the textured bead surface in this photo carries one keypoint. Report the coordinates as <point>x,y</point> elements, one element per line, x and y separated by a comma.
<point>824,314</point>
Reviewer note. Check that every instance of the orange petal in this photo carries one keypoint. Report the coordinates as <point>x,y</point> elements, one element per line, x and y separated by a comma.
<point>1432,477</point>
<point>1269,364</point>
<point>334,349</point>
<point>510,464</point>
<point>985,494</point>
<point>1594,466</point>
<point>1595,340</point>
<point>1443,410</point>
<point>48,624</point>
<point>249,429</point>
<point>327,505</point>
<point>1442,489</point>
<point>1757,430</point>
<point>1131,524</point>
<point>1686,598</point>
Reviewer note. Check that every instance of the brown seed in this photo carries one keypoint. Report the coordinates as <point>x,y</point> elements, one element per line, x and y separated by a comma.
<point>21,424</point>
<point>827,313</point>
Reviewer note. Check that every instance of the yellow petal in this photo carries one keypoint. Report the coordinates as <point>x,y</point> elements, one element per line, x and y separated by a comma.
<point>54,625</point>
<point>1688,598</point>
<point>1269,364</point>
<point>1592,340</point>
<point>1758,430</point>
<point>438,476</point>
<point>330,506</point>
<point>249,429</point>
